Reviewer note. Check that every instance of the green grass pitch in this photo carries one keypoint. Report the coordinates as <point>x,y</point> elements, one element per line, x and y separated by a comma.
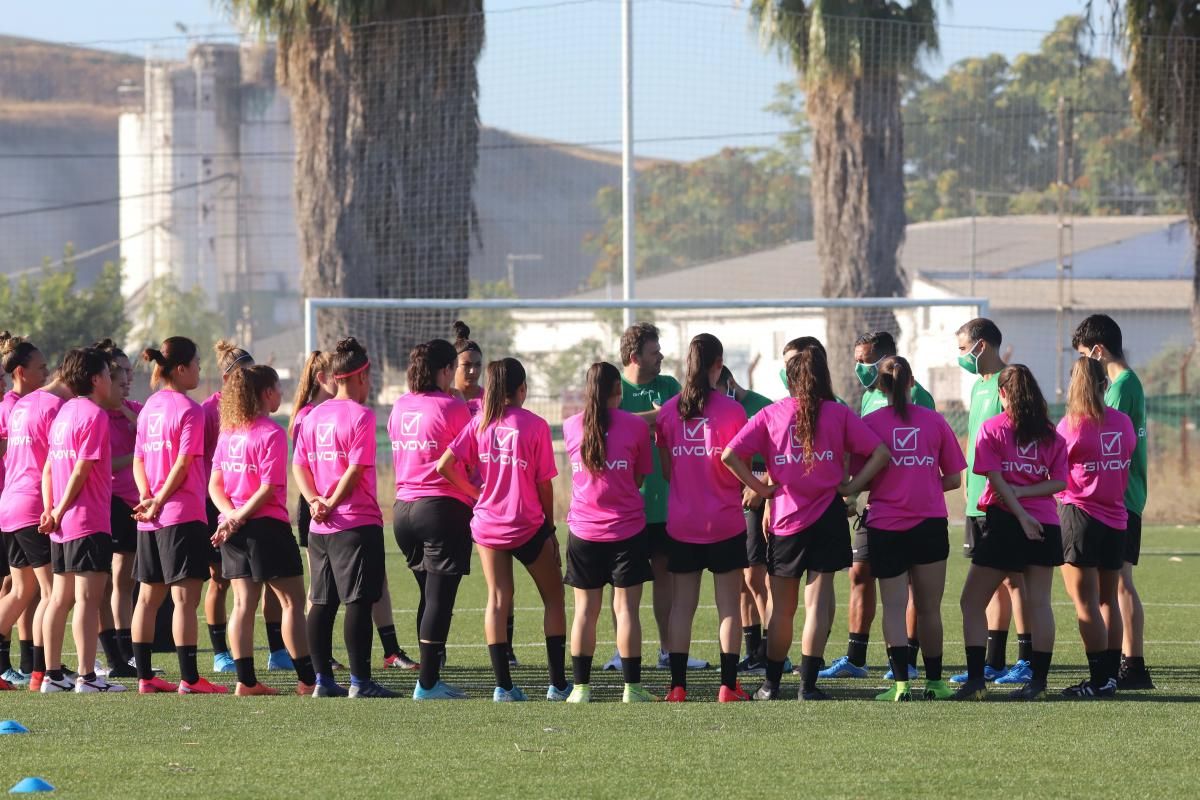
<point>1142,744</point>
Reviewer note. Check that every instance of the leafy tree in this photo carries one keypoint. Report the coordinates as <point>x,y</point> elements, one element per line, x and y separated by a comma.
<point>167,311</point>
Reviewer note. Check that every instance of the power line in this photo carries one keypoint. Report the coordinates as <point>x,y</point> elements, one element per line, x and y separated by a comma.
<point>107,200</point>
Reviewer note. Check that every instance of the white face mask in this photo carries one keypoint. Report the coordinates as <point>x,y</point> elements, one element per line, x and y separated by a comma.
<point>1095,353</point>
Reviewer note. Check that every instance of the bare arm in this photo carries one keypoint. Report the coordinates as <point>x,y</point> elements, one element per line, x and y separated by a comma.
<point>740,467</point>
<point>445,468</point>
<point>46,524</point>
<point>664,458</point>
<point>877,461</point>
<point>345,486</point>
<point>951,482</point>
<point>139,478</point>
<point>1039,489</point>
<point>149,509</point>
<point>1032,528</point>
<point>216,493</point>
<point>546,498</point>
<point>308,490</point>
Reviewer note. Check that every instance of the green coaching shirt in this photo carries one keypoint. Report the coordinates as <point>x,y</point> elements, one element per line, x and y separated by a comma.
<point>873,400</point>
<point>637,398</point>
<point>985,404</point>
<point>754,402</point>
<point>1126,395</point>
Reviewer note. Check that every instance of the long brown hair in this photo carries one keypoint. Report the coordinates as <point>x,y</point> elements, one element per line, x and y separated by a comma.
<point>809,384</point>
<point>1025,405</point>
<point>504,377</point>
<point>1085,396</point>
<point>704,351</point>
<point>602,379</point>
<point>895,376</point>
<point>241,397</point>
<point>174,352</point>
<point>308,386</point>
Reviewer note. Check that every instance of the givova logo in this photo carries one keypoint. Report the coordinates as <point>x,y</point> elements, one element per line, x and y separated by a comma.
<point>16,422</point>
<point>904,440</point>
<point>1110,443</point>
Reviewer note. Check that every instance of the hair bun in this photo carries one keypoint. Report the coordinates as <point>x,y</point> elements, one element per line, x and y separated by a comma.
<point>348,345</point>
<point>461,329</point>
<point>151,354</point>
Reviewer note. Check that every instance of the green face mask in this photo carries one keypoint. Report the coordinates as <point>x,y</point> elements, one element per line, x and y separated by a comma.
<point>867,373</point>
<point>970,360</point>
<point>783,379</point>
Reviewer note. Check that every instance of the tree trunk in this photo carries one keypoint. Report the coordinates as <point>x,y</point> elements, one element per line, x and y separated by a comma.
<point>386,126</point>
<point>858,208</point>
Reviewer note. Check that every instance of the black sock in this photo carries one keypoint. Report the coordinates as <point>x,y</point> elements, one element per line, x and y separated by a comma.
<point>39,659</point>
<point>141,659</point>
<point>1097,668</point>
<point>581,670</point>
<point>760,652</point>
<point>90,677</point>
<point>112,650</point>
<point>499,654</point>
<point>245,671</point>
<point>556,659</point>
<point>898,658</point>
<point>856,648</point>
<point>5,663</point>
<point>356,627</point>
<point>914,649</point>
<point>275,637</point>
<point>809,667</point>
<point>752,636</point>
<point>631,669</point>
<point>304,669</point>
<point>933,668</point>
<point>509,627</point>
<point>1025,647</point>
<point>387,640</point>
<point>774,673</point>
<point>678,669</point>
<point>975,663</point>
<point>997,643</point>
<point>320,636</point>
<point>1040,662</point>
<point>431,663</point>
<point>1113,662</point>
<point>27,655</point>
<point>729,662</point>
<point>216,635</point>
<point>125,642</point>
<point>55,674</point>
<point>187,663</point>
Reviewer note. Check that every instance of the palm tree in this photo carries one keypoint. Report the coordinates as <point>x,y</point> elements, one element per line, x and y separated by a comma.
<point>384,107</point>
<point>1162,38</point>
<point>851,56</point>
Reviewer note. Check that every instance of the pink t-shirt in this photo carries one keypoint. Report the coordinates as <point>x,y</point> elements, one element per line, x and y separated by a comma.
<point>1098,456</point>
<point>997,450</point>
<point>122,437</point>
<point>304,411</point>
<point>80,433</point>
<point>475,406</point>
<point>211,407</point>
<point>248,458</point>
<point>805,490</point>
<point>514,454</point>
<point>421,427</point>
<point>909,489</point>
<point>704,502</point>
<point>607,506</point>
<point>335,436</point>
<point>28,439</point>
<point>171,425</point>
<point>10,400</point>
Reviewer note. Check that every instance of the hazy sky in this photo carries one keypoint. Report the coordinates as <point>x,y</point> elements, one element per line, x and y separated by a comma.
<point>551,68</point>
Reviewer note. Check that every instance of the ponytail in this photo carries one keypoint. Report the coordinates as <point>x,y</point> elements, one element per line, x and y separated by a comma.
<point>176,351</point>
<point>1085,396</point>
<point>504,378</point>
<point>241,397</point>
<point>306,389</point>
<point>810,385</point>
<point>602,378</point>
<point>1025,405</point>
<point>704,351</point>
<point>895,379</point>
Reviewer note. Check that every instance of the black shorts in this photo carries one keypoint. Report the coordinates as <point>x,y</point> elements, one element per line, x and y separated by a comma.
<point>1088,542</point>
<point>261,550</point>
<point>717,557</point>
<point>823,546</point>
<point>434,534</point>
<point>895,552</point>
<point>27,548</point>
<point>91,553</point>
<point>346,566</point>
<point>1005,546</point>
<point>124,527</point>
<point>214,519</point>
<point>303,521</point>
<point>756,537</point>
<point>590,565</point>
<point>529,552</point>
<point>660,542</point>
<point>974,530</point>
<point>1133,538</point>
<point>860,545</point>
<point>174,553</point>
<point>3,558</point>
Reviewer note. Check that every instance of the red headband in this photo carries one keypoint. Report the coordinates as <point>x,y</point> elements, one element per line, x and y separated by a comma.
<point>352,372</point>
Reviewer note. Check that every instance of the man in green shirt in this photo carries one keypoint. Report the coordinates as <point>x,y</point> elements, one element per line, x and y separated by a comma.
<point>643,391</point>
<point>979,353</point>
<point>869,350</point>
<point>1099,337</point>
